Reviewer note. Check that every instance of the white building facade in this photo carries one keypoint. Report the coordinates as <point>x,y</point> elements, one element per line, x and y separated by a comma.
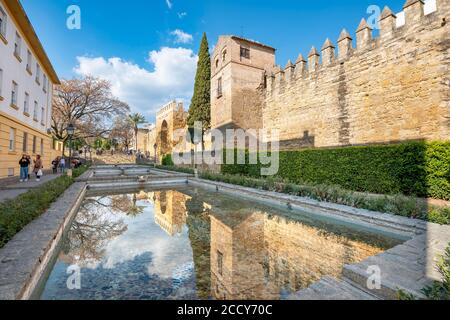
<point>26,90</point>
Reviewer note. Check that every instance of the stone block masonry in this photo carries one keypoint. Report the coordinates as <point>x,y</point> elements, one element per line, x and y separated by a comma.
<point>387,89</point>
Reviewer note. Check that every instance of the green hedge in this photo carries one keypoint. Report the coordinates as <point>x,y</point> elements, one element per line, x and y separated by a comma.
<point>167,160</point>
<point>17,213</point>
<point>400,205</point>
<point>415,168</point>
<point>176,169</point>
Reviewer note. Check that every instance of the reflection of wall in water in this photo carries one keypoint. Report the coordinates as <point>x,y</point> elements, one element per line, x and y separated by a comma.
<point>237,256</point>
<point>170,211</point>
<point>262,255</point>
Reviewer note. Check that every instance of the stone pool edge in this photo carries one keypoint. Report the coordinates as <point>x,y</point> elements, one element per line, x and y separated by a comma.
<point>401,226</point>
<point>25,258</point>
<point>409,266</point>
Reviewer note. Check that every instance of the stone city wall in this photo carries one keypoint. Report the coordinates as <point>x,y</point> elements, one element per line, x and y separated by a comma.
<point>391,88</point>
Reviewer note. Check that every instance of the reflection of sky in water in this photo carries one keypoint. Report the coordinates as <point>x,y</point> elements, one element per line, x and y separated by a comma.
<point>144,235</point>
<point>126,250</point>
<point>142,263</point>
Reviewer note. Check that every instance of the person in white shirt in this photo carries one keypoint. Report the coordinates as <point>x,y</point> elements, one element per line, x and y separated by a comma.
<point>62,165</point>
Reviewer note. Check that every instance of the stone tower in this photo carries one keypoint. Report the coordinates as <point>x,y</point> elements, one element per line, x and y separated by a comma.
<point>238,67</point>
<point>170,118</point>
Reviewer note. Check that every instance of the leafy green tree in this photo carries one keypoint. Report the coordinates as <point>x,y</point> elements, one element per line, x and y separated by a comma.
<point>200,109</point>
<point>136,119</point>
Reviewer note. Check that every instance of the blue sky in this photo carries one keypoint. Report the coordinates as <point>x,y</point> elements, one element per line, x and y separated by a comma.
<point>152,65</point>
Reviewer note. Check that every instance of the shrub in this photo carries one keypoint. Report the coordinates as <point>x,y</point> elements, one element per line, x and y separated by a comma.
<point>439,290</point>
<point>79,171</point>
<point>398,204</point>
<point>419,169</point>
<point>176,169</point>
<point>17,213</point>
<point>167,160</point>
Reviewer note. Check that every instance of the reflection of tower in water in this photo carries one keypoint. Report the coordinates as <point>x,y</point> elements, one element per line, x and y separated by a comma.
<point>170,211</point>
<point>237,256</point>
<point>255,256</point>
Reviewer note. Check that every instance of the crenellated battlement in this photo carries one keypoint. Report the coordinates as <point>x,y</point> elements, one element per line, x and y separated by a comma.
<point>392,32</point>
<point>364,88</point>
<point>361,88</point>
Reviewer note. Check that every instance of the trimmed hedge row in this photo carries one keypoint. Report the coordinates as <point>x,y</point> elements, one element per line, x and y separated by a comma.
<point>419,169</point>
<point>397,205</point>
<point>17,213</point>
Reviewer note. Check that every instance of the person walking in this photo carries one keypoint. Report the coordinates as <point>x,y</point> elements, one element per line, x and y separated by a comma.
<point>24,164</point>
<point>30,164</point>
<point>62,165</point>
<point>55,164</point>
<point>38,168</point>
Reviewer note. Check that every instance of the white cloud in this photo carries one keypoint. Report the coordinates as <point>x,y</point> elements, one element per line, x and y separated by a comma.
<point>169,4</point>
<point>181,36</point>
<point>144,90</point>
<point>181,15</point>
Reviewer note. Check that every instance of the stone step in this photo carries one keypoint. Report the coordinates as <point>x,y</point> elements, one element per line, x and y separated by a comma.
<point>409,267</point>
<point>329,288</point>
<point>394,277</point>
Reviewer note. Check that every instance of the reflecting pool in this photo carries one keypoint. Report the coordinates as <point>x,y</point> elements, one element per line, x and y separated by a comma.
<point>192,243</point>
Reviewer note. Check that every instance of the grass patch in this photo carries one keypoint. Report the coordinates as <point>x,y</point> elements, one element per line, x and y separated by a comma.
<point>15,214</point>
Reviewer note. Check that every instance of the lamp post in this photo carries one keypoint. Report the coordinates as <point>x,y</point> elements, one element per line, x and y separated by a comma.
<point>155,146</point>
<point>70,133</point>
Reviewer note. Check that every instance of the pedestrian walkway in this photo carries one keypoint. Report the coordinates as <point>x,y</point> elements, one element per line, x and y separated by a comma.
<point>10,190</point>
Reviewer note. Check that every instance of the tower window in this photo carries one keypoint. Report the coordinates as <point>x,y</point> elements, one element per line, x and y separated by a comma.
<point>220,262</point>
<point>219,87</point>
<point>224,55</point>
<point>245,53</point>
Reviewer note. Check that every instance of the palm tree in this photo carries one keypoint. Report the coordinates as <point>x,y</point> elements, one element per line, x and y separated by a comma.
<point>136,119</point>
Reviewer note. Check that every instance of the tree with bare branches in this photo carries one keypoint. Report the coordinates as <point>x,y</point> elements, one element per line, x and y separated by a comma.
<point>123,132</point>
<point>89,105</point>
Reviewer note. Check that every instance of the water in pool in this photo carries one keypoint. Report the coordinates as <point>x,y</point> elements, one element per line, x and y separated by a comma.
<point>192,243</point>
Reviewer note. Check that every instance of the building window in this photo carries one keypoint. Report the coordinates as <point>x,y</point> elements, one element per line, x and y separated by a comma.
<point>25,142</point>
<point>217,63</point>
<point>26,104</point>
<point>220,262</point>
<point>29,61</point>
<point>10,172</point>
<point>35,111</point>
<point>2,22</point>
<point>42,147</point>
<point>14,93</point>
<point>34,144</point>
<point>42,115</point>
<point>12,139</point>
<point>219,87</point>
<point>18,46</point>
<point>245,53</point>
<point>44,87</point>
<point>38,74</point>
